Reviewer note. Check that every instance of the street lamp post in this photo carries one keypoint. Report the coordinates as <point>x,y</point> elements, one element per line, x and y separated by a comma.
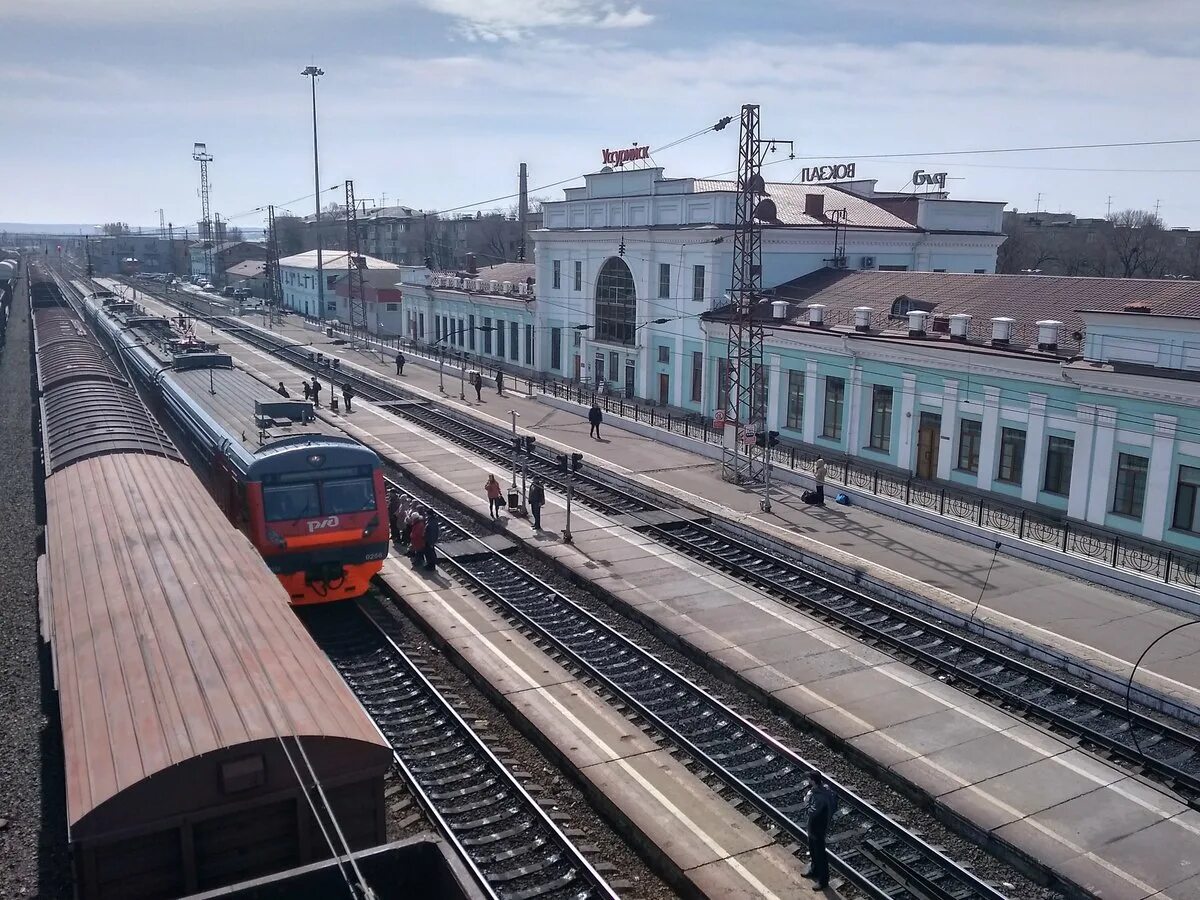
<point>313,73</point>
<point>462,374</point>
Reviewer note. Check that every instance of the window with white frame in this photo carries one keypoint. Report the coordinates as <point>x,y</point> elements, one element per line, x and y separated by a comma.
<point>1129,493</point>
<point>970,436</point>
<point>795,400</point>
<point>881,418</point>
<point>1059,454</point>
<point>1187,495</point>
<point>556,280</point>
<point>1012,455</point>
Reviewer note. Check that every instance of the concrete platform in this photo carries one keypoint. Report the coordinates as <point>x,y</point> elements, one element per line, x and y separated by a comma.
<point>1100,631</point>
<point>696,839</point>
<point>926,736</point>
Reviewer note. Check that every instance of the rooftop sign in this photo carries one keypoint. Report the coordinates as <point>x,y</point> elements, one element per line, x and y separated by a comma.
<point>620,157</point>
<point>921,177</point>
<point>831,172</point>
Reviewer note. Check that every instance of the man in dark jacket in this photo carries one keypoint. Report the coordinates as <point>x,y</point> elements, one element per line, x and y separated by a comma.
<point>537,499</point>
<point>595,416</point>
<point>822,804</point>
<point>477,380</point>
<point>399,363</point>
<point>316,392</point>
<point>348,394</point>
<point>500,382</point>
<point>432,530</point>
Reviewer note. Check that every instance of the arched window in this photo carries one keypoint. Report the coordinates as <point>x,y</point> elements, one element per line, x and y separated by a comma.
<point>616,302</point>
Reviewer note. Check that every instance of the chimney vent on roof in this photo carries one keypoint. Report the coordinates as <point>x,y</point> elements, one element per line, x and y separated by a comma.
<point>816,315</point>
<point>814,205</point>
<point>779,309</point>
<point>1002,329</point>
<point>1048,334</point>
<point>1137,306</point>
<point>916,323</point>
<point>862,318</point>
<point>959,323</point>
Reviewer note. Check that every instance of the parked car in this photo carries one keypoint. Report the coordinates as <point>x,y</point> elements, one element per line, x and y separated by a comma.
<point>209,289</point>
<point>229,291</point>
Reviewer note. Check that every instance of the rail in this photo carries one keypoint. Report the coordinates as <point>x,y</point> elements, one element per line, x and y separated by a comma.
<point>765,773</point>
<point>512,847</point>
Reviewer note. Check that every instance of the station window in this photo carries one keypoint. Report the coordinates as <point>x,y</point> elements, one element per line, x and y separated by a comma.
<point>697,375</point>
<point>529,345</point>
<point>471,331</point>
<point>664,353</point>
<point>556,349</point>
<point>881,418</point>
<point>970,435</point>
<point>664,281</point>
<point>1187,493</point>
<point>578,275</point>
<point>698,283</point>
<point>835,403</point>
<point>1059,453</point>
<point>393,307</point>
<point>514,341</point>
<point>795,400</point>
<point>1130,492</point>
<point>500,334</point>
<point>556,281</point>
<point>487,335</point>
<point>1012,455</point>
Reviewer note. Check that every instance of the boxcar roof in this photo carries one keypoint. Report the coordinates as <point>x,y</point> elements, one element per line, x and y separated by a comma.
<point>170,637</point>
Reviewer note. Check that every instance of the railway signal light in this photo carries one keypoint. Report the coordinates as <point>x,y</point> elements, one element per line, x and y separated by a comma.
<point>561,463</point>
<point>576,462</point>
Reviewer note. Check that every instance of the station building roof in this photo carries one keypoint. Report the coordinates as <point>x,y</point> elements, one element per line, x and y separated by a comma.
<point>330,259</point>
<point>790,201</point>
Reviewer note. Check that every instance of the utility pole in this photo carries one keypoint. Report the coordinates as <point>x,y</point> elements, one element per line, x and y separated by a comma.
<point>271,270</point>
<point>1039,202</point>
<point>523,212</point>
<point>1108,212</point>
<point>201,155</point>
<point>313,73</point>
<point>1157,204</point>
<point>355,290</point>
<point>162,224</point>
<point>741,460</point>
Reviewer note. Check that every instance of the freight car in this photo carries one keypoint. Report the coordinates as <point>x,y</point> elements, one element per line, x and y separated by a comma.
<point>206,739</point>
<point>311,500</point>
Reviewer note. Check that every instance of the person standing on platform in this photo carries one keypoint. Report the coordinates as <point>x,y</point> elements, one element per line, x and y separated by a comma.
<point>495,496</point>
<point>431,539</point>
<point>308,391</point>
<point>316,392</point>
<point>477,380</point>
<point>500,382</point>
<point>416,537</point>
<point>347,394</point>
<point>399,363</point>
<point>394,510</point>
<point>822,804</point>
<point>283,391</point>
<point>595,416</point>
<point>537,499</point>
<point>819,476</point>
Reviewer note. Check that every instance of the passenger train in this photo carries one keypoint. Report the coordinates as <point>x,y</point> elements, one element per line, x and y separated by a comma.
<point>311,500</point>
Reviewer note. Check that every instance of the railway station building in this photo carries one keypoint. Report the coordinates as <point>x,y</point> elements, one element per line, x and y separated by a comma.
<point>298,274</point>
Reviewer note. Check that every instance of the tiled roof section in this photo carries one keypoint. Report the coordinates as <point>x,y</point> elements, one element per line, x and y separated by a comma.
<point>789,204</point>
<point>1025,298</point>
<point>330,259</point>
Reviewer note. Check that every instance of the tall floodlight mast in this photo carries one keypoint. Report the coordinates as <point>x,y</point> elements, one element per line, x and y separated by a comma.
<point>742,460</point>
<point>201,155</point>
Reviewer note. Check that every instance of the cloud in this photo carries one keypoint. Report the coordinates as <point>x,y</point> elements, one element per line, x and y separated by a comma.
<point>492,20</point>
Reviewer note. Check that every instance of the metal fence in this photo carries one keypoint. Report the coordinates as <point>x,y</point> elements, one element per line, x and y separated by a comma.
<point>1154,560</point>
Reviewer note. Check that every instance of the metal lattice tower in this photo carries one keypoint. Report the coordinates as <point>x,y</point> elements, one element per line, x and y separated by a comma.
<point>745,404</point>
<point>272,276</point>
<point>355,291</point>
<point>201,155</point>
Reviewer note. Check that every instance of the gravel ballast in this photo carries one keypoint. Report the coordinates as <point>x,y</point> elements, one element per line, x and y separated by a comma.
<point>33,860</point>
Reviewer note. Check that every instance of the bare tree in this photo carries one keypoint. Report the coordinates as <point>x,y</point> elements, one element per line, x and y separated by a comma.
<point>1136,242</point>
<point>115,229</point>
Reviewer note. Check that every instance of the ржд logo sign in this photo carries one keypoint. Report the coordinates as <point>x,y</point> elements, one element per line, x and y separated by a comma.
<point>921,177</point>
<point>620,157</point>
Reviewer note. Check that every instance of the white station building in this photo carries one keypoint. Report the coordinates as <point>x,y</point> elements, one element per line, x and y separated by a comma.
<point>636,258</point>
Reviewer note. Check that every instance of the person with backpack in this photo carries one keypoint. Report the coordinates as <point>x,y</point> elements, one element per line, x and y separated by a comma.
<point>495,496</point>
<point>537,499</point>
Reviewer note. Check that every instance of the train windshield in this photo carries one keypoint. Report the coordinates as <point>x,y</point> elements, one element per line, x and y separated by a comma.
<point>349,495</point>
<point>291,501</point>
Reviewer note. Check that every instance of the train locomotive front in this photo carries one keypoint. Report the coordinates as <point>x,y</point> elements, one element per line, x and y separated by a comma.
<point>316,508</point>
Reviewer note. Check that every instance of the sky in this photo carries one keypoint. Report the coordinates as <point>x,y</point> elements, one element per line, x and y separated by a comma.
<point>434,103</point>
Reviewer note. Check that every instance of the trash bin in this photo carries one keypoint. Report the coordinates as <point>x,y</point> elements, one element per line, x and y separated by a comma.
<point>514,500</point>
<point>333,404</point>
<point>328,331</point>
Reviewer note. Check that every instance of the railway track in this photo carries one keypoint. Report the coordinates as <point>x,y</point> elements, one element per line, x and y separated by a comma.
<point>1140,743</point>
<point>513,847</point>
<point>879,856</point>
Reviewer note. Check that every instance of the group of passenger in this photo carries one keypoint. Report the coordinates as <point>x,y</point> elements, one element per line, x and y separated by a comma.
<point>416,527</point>
<point>312,392</point>
<point>536,498</point>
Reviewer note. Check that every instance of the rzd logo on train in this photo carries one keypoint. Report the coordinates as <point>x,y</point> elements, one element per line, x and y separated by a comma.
<point>320,524</point>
